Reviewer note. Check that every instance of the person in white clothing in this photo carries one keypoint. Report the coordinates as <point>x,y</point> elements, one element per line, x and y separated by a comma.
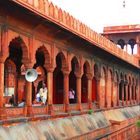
<point>71,95</point>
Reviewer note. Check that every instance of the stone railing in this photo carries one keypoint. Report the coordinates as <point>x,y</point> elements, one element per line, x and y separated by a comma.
<point>15,111</point>
<point>58,108</point>
<point>73,107</point>
<point>37,110</point>
<point>54,14</point>
<point>85,106</point>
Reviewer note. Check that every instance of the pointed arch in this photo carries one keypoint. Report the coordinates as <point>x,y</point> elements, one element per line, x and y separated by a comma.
<point>72,78</point>
<point>58,78</point>
<point>43,57</point>
<point>18,41</point>
<point>84,82</point>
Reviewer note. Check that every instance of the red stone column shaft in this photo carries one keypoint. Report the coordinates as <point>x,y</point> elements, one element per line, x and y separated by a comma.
<point>126,90</point>
<point>29,94</point>
<point>130,91</point>
<point>50,87</point>
<point>98,94</point>
<point>1,83</point>
<point>122,93</point>
<point>134,94</point>
<point>90,92</point>
<point>118,98</point>
<point>106,90</point>
<point>78,91</point>
<point>66,91</point>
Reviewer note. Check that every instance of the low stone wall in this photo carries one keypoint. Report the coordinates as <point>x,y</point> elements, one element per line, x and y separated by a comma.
<point>118,124</point>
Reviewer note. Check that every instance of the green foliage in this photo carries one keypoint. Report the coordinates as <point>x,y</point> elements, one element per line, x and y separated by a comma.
<point>90,111</point>
<point>138,123</point>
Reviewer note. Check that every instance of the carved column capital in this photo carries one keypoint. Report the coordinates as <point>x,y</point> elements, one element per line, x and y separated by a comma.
<point>89,76</point>
<point>50,69</point>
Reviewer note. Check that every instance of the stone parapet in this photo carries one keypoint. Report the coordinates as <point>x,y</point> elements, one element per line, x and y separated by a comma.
<point>54,14</point>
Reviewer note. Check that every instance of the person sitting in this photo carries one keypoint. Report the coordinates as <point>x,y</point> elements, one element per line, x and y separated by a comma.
<point>38,99</point>
<point>11,100</point>
<point>22,103</point>
<point>44,94</point>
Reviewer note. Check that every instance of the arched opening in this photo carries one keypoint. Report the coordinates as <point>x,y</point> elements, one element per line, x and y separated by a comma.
<point>14,81</point>
<point>121,43</point>
<point>72,79</point>
<point>10,80</point>
<point>84,85</point>
<point>41,81</point>
<point>132,43</point>
<point>58,79</point>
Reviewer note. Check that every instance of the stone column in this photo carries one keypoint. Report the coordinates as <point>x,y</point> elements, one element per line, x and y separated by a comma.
<point>89,77</point>
<point>114,95</point>
<point>138,46</point>
<point>134,94</point>
<point>50,90</point>
<point>122,84</point>
<point>118,98</point>
<point>2,113</point>
<point>66,90</point>
<point>29,95</point>
<point>98,91</point>
<point>106,90</point>
<point>78,90</point>
<point>1,83</point>
<point>126,90</point>
<point>50,86</point>
<point>130,92</point>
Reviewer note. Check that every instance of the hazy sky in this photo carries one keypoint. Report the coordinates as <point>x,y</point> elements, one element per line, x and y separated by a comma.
<point>100,13</point>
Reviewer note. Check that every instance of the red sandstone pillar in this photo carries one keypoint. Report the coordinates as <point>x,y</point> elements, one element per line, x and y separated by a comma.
<point>118,98</point>
<point>90,91</point>
<point>138,46</point>
<point>98,93</point>
<point>50,89</point>
<point>122,84</point>
<point>112,95</point>
<point>2,113</point>
<point>50,86</point>
<point>78,91</point>
<point>66,91</point>
<point>130,91</point>
<point>126,90</point>
<point>106,90</point>
<point>29,93</point>
<point>134,94</point>
<point>1,83</point>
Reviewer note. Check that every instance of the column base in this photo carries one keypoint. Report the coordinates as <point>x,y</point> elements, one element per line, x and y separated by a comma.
<point>2,113</point>
<point>29,111</point>
<point>50,110</point>
<point>67,108</point>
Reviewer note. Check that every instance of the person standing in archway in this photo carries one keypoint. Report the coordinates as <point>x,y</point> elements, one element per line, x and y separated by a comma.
<point>71,95</point>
